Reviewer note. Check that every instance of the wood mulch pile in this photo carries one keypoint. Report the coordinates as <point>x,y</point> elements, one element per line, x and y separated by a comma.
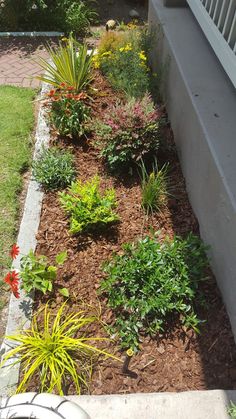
<point>178,360</point>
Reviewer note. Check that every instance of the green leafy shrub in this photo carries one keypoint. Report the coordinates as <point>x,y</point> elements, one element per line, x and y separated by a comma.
<point>57,351</point>
<point>87,207</point>
<point>64,15</point>
<point>69,114</point>
<point>123,60</point>
<point>152,281</point>
<point>69,65</point>
<point>232,410</point>
<point>54,168</point>
<point>154,187</point>
<point>37,273</point>
<point>128,132</point>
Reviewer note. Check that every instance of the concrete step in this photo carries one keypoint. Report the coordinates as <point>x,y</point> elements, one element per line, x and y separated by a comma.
<point>210,404</point>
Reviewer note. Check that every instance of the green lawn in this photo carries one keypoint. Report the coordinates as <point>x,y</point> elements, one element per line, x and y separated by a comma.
<point>16,125</point>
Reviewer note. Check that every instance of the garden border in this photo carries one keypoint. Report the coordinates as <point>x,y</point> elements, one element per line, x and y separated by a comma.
<point>20,310</point>
<point>31,34</point>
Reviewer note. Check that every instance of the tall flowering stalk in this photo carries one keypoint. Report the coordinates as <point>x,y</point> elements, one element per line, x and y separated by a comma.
<point>12,277</point>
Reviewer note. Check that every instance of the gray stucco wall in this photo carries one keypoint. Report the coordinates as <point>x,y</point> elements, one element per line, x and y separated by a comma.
<point>201,103</point>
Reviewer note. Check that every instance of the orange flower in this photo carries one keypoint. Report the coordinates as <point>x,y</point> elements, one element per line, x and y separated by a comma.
<point>12,279</point>
<point>81,96</point>
<point>14,251</point>
<point>69,96</point>
<point>51,93</point>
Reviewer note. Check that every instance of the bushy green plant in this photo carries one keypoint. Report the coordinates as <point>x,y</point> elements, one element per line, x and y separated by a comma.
<point>79,16</point>
<point>69,65</point>
<point>128,132</point>
<point>153,281</point>
<point>232,410</point>
<point>154,187</point>
<point>37,273</point>
<point>64,15</point>
<point>88,208</point>
<point>54,168</point>
<point>69,112</point>
<point>57,351</point>
<point>123,59</point>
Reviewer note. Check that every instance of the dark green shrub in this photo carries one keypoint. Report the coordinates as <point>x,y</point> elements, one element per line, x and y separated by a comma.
<point>88,208</point>
<point>54,168</point>
<point>152,281</point>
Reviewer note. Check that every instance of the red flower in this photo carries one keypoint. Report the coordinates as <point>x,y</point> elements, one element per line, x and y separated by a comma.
<point>69,96</point>
<point>51,93</point>
<point>14,251</point>
<point>12,279</point>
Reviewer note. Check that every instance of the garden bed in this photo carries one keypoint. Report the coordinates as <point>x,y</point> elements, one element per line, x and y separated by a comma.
<point>170,328</point>
<point>177,360</point>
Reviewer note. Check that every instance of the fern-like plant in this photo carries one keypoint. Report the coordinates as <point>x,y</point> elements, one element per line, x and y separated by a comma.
<point>69,64</point>
<point>87,207</point>
<point>57,351</point>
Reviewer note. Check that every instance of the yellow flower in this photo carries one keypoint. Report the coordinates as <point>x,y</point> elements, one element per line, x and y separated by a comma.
<point>152,176</point>
<point>127,48</point>
<point>142,56</point>
<point>107,53</point>
<point>130,352</point>
<point>64,39</point>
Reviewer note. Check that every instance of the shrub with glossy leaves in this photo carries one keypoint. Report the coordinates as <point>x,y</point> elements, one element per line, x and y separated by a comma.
<point>87,206</point>
<point>128,132</point>
<point>54,168</point>
<point>152,281</point>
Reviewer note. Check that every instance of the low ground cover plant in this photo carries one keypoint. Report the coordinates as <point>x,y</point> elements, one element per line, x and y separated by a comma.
<point>123,60</point>
<point>58,351</point>
<point>54,168</point>
<point>152,282</point>
<point>37,273</point>
<point>128,132</point>
<point>154,187</point>
<point>87,206</point>
<point>232,410</point>
<point>69,65</point>
<point>64,15</point>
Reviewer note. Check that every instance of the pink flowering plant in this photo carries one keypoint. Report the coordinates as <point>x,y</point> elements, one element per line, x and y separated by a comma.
<point>128,132</point>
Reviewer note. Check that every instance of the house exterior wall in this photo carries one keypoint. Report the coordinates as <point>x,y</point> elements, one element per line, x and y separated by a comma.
<point>201,103</point>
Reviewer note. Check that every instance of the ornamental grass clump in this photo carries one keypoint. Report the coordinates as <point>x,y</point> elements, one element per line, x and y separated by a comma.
<point>69,64</point>
<point>152,284</point>
<point>154,187</point>
<point>128,132</point>
<point>54,168</point>
<point>88,208</point>
<point>58,349</point>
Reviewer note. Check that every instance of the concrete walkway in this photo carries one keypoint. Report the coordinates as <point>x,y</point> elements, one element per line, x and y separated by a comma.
<point>17,60</point>
<point>187,405</point>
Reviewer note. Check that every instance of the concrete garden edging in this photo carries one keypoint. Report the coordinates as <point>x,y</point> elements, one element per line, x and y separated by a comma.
<point>20,310</point>
<point>32,34</point>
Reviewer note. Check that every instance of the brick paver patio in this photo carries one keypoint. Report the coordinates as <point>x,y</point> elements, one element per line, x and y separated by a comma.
<point>17,60</point>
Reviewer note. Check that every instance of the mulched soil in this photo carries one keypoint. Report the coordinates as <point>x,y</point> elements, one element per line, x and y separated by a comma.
<point>176,361</point>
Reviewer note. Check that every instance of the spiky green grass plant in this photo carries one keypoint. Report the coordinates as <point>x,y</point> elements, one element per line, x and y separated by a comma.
<point>59,352</point>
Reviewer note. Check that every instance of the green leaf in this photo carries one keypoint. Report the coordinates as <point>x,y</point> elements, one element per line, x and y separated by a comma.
<point>64,292</point>
<point>61,258</point>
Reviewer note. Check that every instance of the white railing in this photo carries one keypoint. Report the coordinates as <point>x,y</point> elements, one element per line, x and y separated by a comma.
<point>217,19</point>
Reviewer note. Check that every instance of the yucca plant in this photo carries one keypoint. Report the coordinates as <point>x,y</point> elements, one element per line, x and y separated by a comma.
<point>58,351</point>
<point>69,64</point>
<point>154,186</point>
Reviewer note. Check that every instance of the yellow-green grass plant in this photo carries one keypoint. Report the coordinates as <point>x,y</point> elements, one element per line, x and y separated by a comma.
<point>69,65</point>
<point>58,352</point>
<point>154,187</point>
